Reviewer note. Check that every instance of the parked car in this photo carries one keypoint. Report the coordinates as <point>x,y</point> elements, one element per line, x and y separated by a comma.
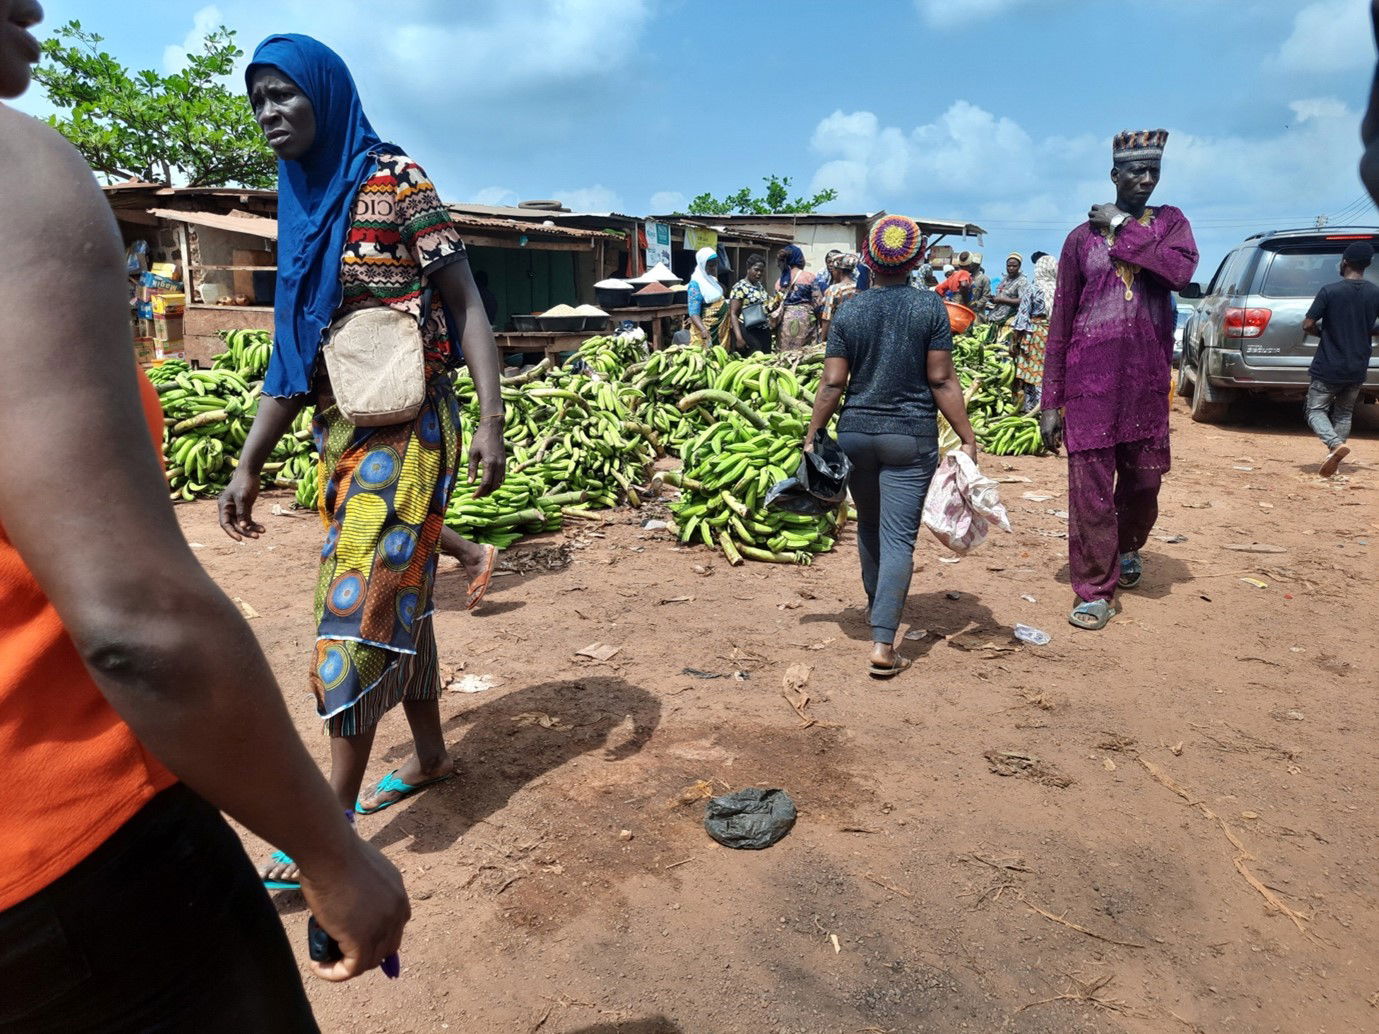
<point>1185,312</point>
<point>1245,335</point>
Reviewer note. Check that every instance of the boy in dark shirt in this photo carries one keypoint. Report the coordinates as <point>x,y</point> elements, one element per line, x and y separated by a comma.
<point>1343,314</point>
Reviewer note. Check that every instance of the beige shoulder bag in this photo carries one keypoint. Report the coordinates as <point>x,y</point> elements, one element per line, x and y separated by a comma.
<point>377,367</point>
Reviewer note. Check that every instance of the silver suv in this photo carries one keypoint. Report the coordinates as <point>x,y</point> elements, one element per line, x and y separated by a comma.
<point>1246,333</point>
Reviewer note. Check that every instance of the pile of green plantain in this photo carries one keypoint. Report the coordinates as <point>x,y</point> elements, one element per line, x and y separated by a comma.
<point>987,375</point>
<point>585,436</point>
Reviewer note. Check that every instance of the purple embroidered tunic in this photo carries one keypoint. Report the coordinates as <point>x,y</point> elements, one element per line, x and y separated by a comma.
<point>1108,356</point>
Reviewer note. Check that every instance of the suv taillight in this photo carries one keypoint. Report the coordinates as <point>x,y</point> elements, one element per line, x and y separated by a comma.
<point>1246,322</point>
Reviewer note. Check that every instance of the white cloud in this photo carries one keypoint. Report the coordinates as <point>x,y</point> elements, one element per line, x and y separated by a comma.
<point>495,196</point>
<point>664,202</point>
<point>948,13</point>
<point>966,145</point>
<point>1329,36</point>
<point>496,50</point>
<point>205,21</point>
<point>596,199</point>
<point>465,85</point>
<point>969,164</point>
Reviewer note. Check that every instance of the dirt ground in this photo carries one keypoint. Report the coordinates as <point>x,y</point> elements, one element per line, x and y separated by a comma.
<point>1166,826</point>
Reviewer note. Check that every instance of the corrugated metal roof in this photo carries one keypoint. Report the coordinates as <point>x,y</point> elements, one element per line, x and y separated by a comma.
<point>253,225</point>
<point>463,217</point>
<point>929,226</point>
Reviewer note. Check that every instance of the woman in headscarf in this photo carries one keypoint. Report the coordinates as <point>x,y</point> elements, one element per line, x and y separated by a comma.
<point>708,305</point>
<point>1031,330</point>
<point>798,299</point>
<point>844,286</point>
<point>1005,302</point>
<point>889,362</point>
<point>749,291</point>
<point>361,226</point>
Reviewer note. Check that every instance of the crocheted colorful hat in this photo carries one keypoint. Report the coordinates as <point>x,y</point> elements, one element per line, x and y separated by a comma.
<point>895,244</point>
<point>1142,145</point>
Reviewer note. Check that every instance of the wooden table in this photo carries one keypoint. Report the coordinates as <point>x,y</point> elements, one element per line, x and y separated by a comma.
<point>643,314</point>
<point>549,342</point>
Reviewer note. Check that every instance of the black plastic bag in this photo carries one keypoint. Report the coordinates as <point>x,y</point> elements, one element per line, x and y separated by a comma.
<point>821,483</point>
<point>750,819</point>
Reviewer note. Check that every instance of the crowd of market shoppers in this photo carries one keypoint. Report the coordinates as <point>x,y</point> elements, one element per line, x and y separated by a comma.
<point>137,704</point>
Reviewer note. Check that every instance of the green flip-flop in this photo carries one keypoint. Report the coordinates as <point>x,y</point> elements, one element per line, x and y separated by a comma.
<point>390,783</point>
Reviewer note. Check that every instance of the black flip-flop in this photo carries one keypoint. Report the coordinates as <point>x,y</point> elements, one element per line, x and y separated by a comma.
<point>890,671</point>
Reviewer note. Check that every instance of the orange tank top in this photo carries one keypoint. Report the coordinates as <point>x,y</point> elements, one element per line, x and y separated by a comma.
<point>73,771</point>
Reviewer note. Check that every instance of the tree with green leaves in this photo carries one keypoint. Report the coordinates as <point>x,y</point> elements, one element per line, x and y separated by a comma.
<point>776,201</point>
<point>187,124</point>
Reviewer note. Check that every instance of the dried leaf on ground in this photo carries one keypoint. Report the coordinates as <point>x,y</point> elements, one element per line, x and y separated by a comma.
<point>796,678</point>
<point>1274,902</point>
<point>1114,741</point>
<point>1013,763</point>
<point>540,718</point>
<point>600,651</point>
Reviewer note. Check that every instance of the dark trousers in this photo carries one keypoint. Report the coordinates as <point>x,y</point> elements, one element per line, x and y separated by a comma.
<point>1113,502</point>
<point>890,478</point>
<point>164,928</point>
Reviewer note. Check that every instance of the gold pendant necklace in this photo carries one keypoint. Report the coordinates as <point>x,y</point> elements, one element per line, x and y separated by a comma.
<point>1127,270</point>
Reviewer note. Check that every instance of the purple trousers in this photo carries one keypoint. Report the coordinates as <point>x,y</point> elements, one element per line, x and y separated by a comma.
<point>1113,502</point>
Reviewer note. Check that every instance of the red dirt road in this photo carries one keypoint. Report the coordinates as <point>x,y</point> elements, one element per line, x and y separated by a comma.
<point>1097,835</point>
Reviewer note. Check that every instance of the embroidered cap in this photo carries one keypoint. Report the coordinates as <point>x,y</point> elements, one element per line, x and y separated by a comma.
<point>1139,145</point>
<point>894,245</point>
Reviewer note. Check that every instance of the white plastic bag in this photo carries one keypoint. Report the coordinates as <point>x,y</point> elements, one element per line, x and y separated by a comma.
<point>962,504</point>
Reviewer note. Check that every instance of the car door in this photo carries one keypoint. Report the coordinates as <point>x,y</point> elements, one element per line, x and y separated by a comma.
<point>1211,312</point>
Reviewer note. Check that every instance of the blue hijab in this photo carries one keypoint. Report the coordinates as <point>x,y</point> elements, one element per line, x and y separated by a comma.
<point>316,195</point>
<point>794,255</point>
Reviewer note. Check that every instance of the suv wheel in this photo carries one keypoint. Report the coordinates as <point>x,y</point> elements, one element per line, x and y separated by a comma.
<point>1183,386</point>
<point>1210,405</point>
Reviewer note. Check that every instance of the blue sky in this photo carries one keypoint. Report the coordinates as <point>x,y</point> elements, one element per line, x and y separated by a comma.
<point>994,111</point>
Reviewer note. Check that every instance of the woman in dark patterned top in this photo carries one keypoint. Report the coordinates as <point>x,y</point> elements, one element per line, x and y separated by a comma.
<point>749,291</point>
<point>361,226</point>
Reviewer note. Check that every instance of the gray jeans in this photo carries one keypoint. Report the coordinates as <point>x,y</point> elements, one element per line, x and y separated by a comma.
<point>890,478</point>
<point>1329,409</point>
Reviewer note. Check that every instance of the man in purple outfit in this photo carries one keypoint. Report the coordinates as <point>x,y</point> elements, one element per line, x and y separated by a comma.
<point>1106,373</point>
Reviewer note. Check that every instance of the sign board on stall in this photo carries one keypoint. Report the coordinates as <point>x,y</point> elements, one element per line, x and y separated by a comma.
<point>697,237</point>
<point>657,243</point>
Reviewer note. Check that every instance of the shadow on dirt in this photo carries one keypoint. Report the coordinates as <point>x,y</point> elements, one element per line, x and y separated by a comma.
<point>933,611</point>
<point>655,1025</point>
<point>1161,574</point>
<point>510,741</point>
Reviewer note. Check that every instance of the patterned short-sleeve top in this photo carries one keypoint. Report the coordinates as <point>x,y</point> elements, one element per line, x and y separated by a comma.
<point>400,233</point>
<point>747,293</point>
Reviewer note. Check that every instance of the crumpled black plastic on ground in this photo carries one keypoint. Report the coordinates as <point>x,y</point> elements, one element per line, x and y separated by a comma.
<point>750,819</point>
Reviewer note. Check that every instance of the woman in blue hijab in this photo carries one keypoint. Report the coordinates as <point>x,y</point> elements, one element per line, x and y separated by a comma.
<point>361,226</point>
<point>799,301</point>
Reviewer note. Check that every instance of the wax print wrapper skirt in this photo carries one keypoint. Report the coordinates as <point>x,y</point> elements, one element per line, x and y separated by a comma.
<point>384,493</point>
<point>1029,367</point>
<point>798,326</point>
<point>715,319</point>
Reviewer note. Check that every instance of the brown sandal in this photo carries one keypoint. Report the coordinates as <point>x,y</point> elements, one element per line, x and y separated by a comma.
<point>479,586</point>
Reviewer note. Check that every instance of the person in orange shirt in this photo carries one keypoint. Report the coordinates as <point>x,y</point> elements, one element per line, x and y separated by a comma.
<point>956,285</point>
<point>134,700</point>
